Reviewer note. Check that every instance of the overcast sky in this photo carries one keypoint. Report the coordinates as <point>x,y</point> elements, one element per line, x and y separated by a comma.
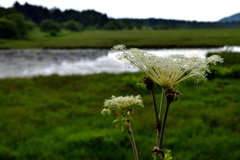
<point>199,10</point>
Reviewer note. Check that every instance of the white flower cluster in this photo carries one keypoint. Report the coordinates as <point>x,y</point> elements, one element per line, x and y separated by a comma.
<point>167,71</point>
<point>121,103</point>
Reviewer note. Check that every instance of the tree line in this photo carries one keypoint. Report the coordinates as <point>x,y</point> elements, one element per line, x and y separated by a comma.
<point>18,21</point>
<point>13,25</point>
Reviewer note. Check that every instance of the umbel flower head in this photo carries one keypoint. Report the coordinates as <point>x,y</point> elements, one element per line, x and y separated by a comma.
<point>167,71</point>
<point>121,103</point>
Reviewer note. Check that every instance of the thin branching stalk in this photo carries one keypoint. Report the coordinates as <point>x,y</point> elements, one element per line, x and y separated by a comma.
<point>155,106</point>
<point>158,124</point>
<point>135,153</point>
<point>160,116</point>
<point>163,126</point>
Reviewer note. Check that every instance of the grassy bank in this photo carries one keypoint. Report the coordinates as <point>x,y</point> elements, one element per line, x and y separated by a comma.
<point>59,118</point>
<point>145,38</point>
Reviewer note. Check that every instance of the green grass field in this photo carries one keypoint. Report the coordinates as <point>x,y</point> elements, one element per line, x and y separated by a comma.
<point>137,38</point>
<point>59,118</point>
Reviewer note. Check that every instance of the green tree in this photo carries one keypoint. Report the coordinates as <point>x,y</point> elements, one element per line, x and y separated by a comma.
<point>6,11</point>
<point>113,25</point>
<point>73,25</point>
<point>21,23</point>
<point>127,24</point>
<point>49,25</point>
<point>8,29</point>
<point>30,25</point>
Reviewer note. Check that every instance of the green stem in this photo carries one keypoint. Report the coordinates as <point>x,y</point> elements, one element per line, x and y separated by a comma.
<point>132,140</point>
<point>161,109</point>
<point>157,118</point>
<point>163,126</point>
<point>155,106</point>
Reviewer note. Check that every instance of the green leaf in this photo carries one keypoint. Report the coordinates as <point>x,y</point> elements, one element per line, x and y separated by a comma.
<point>167,155</point>
<point>120,122</point>
<point>154,155</point>
<point>116,120</point>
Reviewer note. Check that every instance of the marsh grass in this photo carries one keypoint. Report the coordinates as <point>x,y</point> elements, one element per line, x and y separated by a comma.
<point>135,38</point>
<point>59,118</point>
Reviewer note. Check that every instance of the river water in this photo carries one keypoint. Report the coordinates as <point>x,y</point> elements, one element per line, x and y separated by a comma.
<point>34,62</point>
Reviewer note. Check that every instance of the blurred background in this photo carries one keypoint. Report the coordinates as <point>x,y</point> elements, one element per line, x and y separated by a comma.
<point>57,68</point>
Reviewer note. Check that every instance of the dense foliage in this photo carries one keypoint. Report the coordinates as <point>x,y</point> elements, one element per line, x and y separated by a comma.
<point>39,13</point>
<point>73,25</point>
<point>50,26</point>
<point>8,29</point>
<point>13,25</point>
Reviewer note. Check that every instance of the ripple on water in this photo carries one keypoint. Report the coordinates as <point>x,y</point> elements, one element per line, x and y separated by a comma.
<point>34,62</point>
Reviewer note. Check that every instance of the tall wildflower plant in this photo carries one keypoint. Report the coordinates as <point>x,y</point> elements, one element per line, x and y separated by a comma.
<point>166,72</point>
<point>122,108</point>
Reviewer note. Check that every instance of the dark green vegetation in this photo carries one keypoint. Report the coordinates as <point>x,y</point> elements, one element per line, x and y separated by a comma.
<point>73,25</point>
<point>230,68</point>
<point>13,24</point>
<point>136,38</point>
<point>59,118</point>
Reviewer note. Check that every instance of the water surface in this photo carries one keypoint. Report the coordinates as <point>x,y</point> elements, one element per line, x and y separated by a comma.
<point>34,62</point>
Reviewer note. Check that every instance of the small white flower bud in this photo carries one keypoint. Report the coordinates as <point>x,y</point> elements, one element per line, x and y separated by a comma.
<point>106,112</point>
<point>119,47</point>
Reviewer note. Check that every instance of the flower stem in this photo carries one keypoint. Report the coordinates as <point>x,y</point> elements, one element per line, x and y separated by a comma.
<point>158,127</point>
<point>129,129</point>
<point>155,106</point>
<point>160,117</point>
<point>163,126</point>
